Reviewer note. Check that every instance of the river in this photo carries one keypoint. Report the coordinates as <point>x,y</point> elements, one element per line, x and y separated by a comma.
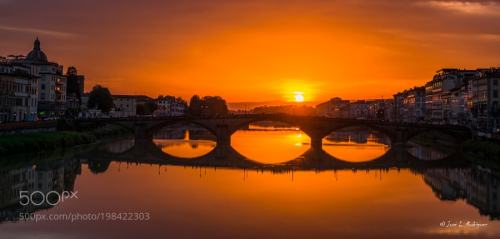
<point>118,192</point>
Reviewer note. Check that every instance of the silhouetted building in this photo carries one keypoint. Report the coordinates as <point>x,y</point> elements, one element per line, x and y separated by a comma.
<point>371,109</point>
<point>335,108</point>
<point>74,89</point>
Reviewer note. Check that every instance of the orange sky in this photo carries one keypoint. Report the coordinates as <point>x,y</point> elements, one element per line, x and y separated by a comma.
<point>257,50</point>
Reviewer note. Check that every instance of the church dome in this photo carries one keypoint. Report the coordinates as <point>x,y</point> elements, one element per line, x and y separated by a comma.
<point>37,55</point>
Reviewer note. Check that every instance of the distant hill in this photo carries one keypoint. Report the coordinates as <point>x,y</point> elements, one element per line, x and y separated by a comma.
<point>234,106</point>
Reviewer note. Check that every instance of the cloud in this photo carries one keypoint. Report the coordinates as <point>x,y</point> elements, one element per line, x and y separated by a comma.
<point>38,31</point>
<point>489,37</point>
<point>426,36</point>
<point>465,7</point>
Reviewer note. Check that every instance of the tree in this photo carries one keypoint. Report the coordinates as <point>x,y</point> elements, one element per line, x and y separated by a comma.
<point>195,105</point>
<point>214,106</point>
<point>100,98</point>
<point>210,106</point>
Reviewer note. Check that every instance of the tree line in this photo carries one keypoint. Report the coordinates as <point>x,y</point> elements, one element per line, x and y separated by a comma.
<point>208,106</point>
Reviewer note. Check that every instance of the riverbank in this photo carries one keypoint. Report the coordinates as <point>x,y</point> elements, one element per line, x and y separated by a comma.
<point>47,141</point>
<point>485,152</point>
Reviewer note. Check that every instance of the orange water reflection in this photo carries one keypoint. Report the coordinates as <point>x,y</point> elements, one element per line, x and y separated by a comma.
<point>250,204</point>
<point>355,146</point>
<point>269,145</point>
<point>186,147</point>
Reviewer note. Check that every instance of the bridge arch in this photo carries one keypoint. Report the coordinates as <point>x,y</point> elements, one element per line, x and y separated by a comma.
<point>357,142</point>
<point>270,118</point>
<point>166,123</point>
<point>272,141</point>
<point>195,147</point>
<point>391,134</point>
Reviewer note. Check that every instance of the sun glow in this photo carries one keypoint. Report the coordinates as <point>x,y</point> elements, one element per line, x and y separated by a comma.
<point>298,96</point>
<point>298,91</point>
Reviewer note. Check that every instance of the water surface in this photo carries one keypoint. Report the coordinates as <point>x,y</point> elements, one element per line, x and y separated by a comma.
<point>234,202</point>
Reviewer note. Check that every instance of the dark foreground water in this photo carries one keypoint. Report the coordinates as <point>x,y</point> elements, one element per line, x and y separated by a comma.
<point>121,199</point>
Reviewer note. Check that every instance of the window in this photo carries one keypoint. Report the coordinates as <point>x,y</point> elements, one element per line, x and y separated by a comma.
<point>495,94</point>
<point>43,86</point>
<point>495,82</point>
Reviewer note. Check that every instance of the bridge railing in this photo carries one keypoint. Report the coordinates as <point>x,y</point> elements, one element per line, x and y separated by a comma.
<point>276,117</point>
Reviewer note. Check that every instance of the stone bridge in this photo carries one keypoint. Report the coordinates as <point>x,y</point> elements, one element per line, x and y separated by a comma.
<point>315,127</point>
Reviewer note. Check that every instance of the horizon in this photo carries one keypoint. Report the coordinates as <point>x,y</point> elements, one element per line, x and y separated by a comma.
<point>318,49</point>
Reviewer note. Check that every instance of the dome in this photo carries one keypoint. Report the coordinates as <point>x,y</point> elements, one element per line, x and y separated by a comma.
<point>37,55</point>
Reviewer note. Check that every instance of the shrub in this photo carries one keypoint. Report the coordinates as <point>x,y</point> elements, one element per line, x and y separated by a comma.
<point>43,141</point>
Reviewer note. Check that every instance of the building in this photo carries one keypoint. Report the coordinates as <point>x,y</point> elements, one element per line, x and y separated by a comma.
<point>74,89</point>
<point>484,100</point>
<point>378,109</point>
<point>399,109</point>
<point>438,94</point>
<point>443,81</point>
<point>85,112</point>
<point>143,99</point>
<point>51,82</point>
<point>18,93</point>
<point>125,106</point>
<point>170,106</point>
<point>334,108</point>
<point>409,105</point>
<point>455,105</point>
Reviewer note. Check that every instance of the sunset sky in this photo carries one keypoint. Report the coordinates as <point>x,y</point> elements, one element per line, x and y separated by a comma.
<point>256,50</point>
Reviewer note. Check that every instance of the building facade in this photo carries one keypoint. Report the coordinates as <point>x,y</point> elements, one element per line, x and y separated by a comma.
<point>51,82</point>
<point>334,108</point>
<point>443,81</point>
<point>125,106</point>
<point>483,103</point>
<point>170,106</point>
<point>47,85</point>
<point>409,105</point>
<point>454,96</point>
<point>18,93</point>
<point>74,90</point>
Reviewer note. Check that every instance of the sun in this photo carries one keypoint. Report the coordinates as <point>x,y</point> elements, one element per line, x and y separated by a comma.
<point>298,96</point>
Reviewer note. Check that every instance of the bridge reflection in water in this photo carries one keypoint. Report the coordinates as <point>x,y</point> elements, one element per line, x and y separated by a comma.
<point>145,151</point>
<point>476,186</point>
